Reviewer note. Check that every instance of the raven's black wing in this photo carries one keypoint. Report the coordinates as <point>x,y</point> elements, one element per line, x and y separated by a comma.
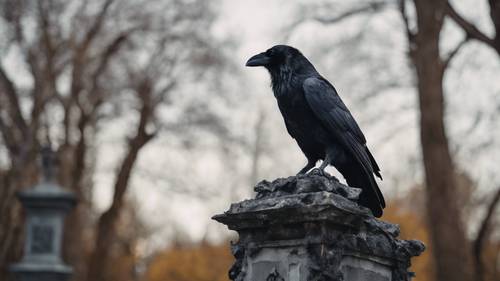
<point>334,115</point>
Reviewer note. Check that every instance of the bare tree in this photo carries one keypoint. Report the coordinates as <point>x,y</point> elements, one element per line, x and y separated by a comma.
<point>452,252</point>
<point>84,58</point>
<point>474,33</point>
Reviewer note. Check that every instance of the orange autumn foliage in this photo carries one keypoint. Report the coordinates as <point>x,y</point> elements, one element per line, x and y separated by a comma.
<point>203,262</point>
<point>412,227</point>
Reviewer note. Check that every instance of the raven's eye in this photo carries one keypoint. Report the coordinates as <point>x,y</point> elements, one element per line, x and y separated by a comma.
<point>270,53</point>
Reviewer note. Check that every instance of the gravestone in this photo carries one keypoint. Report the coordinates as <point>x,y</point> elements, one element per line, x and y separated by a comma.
<point>309,227</point>
<point>45,207</point>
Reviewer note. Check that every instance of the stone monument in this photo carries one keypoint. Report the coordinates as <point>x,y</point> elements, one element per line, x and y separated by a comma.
<point>309,227</point>
<point>46,206</point>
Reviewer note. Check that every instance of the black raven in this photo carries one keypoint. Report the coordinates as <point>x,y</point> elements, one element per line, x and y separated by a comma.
<point>319,121</point>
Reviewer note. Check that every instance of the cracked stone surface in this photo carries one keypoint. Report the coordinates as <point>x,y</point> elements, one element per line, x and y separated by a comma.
<point>310,227</point>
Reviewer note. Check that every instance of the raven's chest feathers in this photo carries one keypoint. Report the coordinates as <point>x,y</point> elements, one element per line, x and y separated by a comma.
<point>291,100</point>
<point>301,122</point>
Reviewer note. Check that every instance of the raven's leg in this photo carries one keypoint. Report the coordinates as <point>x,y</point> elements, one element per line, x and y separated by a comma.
<point>326,162</point>
<point>308,167</point>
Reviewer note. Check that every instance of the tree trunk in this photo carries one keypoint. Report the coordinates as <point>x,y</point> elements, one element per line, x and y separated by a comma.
<point>482,237</point>
<point>106,226</point>
<point>78,223</point>
<point>98,266</point>
<point>451,250</point>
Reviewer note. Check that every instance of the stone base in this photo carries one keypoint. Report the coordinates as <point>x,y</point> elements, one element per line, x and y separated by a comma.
<point>40,272</point>
<point>293,264</point>
<point>310,227</point>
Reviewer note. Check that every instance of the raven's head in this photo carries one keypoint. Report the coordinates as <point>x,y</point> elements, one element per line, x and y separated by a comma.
<point>281,58</point>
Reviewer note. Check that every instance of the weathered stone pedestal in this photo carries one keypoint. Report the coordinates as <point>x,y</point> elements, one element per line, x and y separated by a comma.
<point>309,227</point>
<point>46,205</point>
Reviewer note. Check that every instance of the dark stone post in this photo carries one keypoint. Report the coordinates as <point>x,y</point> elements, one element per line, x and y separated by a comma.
<point>309,227</point>
<point>46,206</point>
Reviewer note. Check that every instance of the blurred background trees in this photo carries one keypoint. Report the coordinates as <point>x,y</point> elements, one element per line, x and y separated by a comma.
<point>83,64</point>
<point>157,127</point>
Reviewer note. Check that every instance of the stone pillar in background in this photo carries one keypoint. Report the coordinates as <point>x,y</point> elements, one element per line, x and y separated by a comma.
<point>310,228</point>
<point>45,207</point>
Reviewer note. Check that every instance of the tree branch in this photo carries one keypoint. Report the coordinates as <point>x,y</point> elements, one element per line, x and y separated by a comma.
<point>103,61</point>
<point>45,76</point>
<point>369,7</point>
<point>13,12</point>
<point>136,143</point>
<point>409,33</point>
<point>78,60</point>
<point>79,153</point>
<point>96,27</point>
<point>163,93</point>
<point>11,93</point>
<point>471,30</point>
<point>81,52</point>
<point>9,140</point>
<point>454,52</point>
<point>495,18</point>
<point>482,235</point>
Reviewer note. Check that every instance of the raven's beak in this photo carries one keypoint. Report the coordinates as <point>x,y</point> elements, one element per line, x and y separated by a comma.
<point>258,60</point>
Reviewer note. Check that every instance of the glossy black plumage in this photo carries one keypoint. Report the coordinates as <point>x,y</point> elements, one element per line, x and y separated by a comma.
<point>319,121</point>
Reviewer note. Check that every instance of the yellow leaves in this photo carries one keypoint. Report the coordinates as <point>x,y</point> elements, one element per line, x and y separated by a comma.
<point>122,268</point>
<point>412,227</point>
<point>203,262</point>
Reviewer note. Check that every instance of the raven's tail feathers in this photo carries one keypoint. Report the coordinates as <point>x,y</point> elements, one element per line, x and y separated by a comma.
<point>371,196</point>
<point>376,169</point>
